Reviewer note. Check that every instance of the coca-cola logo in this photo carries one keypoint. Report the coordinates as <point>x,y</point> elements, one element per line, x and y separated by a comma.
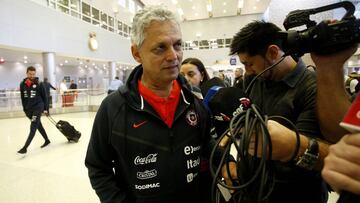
<point>151,158</point>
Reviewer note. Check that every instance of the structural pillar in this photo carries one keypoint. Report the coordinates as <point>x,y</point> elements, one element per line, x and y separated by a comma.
<point>49,70</point>
<point>112,70</point>
<point>49,67</point>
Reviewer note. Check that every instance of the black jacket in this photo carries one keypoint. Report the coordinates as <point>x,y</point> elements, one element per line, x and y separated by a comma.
<point>134,157</point>
<point>33,98</point>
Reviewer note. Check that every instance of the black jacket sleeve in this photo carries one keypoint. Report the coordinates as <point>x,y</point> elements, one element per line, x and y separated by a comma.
<point>100,158</point>
<point>52,87</point>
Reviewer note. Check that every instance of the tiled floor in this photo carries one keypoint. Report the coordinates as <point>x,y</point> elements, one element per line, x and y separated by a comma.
<point>55,174</point>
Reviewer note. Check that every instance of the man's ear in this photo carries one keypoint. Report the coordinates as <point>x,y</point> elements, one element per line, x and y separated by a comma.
<point>136,53</point>
<point>272,53</point>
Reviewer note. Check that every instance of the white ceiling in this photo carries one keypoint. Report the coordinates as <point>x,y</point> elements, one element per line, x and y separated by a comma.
<point>197,9</point>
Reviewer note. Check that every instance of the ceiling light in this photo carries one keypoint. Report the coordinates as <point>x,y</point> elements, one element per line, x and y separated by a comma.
<point>25,62</point>
<point>224,3</point>
<point>2,60</point>
<point>61,64</point>
<point>198,35</point>
<point>81,63</point>
<point>254,7</point>
<point>174,2</point>
<point>193,7</point>
<point>25,57</point>
<point>196,14</point>
<point>224,11</point>
<point>240,3</point>
<point>66,61</point>
<point>209,7</point>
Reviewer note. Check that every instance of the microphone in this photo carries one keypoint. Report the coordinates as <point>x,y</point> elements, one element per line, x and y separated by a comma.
<point>207,85</point>
<point>225,104</point>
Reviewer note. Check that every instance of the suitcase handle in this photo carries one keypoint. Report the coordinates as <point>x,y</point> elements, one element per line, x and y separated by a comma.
<point>52,120</point>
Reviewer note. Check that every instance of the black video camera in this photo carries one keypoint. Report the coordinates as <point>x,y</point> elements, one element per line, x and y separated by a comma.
<point>324,38</point>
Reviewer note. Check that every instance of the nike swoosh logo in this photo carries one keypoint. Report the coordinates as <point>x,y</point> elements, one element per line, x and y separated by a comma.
<point>137,125</point>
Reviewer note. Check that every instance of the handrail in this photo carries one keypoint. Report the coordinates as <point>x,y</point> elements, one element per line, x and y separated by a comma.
<point>10,100</point>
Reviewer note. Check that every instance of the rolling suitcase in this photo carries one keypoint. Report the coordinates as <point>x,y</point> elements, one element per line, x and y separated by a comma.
<point>66,129</point>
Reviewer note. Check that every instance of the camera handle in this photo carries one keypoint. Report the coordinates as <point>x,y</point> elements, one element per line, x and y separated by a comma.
<point>302,17</point>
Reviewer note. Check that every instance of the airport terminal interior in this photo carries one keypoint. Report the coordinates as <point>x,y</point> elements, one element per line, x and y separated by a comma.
<point>87,42</point>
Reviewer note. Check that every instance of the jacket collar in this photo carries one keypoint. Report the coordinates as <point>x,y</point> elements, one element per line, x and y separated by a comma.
<point>132,95</point>
<point>294,76</point>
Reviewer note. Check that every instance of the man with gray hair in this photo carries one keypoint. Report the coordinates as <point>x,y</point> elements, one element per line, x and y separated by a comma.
<point>148,136</point>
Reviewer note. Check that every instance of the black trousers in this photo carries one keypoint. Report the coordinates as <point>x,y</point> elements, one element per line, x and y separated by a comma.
<point>34,117</point>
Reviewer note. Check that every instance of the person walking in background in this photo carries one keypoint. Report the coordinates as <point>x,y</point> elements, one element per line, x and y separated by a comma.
<point>73,85</point>
<point>114,85</point>
<point>73,89</point>
<point>63,92</point>
<point>47,86</point>
<point>239,78</point>
<point>35,102</point>
<point>224,79</point>
<point>147,137</point>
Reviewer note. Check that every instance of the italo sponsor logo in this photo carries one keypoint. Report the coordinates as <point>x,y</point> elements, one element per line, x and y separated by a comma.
<point>193,163</point>
<point>146,174</point>
<point>190,177</point>
<point>191,149</point>
<point>147,186</point>
<point>151,158</point>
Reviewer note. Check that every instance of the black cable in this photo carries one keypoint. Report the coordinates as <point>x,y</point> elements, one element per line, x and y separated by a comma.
<point>258,75</point>
<point>255,175</point>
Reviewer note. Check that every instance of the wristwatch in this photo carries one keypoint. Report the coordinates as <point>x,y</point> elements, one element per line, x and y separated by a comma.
<point>310,157</point>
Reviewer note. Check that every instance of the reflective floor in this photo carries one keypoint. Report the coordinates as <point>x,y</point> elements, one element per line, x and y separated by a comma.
<point>54,174</point>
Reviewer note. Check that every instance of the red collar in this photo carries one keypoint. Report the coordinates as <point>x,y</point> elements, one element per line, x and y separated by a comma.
<point>165,107</point>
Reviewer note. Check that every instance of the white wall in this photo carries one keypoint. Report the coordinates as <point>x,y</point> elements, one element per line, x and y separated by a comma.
<point>215,28</point>
<point>29,25</point>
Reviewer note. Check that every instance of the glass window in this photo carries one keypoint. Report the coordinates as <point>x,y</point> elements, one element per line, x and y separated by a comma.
<point>75,14</point>
<point>75,5</point>
<point>125,28</point>
<point>204,44</point>
<point>63,9</point>
<point>220,43</point>
<point>227,42</point>
<point>95,14</point>
<point>111,23</point>
<point>63,2</point>
<point>119,28</point>
<point>86,9</point>
<point>96,23</point>
<point>86,19</point>
<point>103,20</point>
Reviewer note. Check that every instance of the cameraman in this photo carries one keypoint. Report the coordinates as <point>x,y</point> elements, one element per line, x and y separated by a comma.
<point>342,165</point>
<point>287,90</point>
